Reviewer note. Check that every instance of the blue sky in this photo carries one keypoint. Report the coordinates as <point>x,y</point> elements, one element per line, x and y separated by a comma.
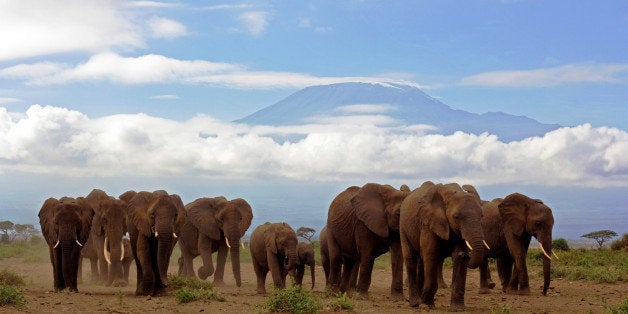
<point>140,94</point>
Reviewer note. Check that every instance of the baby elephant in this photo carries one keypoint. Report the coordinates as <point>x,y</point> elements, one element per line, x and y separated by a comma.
<point>306,257</point>
<point>273,248</point>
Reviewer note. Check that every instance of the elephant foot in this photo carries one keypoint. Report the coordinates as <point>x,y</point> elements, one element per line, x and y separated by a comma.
<point>396,296</point>
<point>204,272</point>
<point>414,301</point>
<point>456,307</point>
<point>524,291</point>
<point>219,283</point>
<point>261,291</point>
<point>484,290</point>
<point>491,285</point>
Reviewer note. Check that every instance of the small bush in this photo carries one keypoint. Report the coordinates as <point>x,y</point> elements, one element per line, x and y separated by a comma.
<point>292,300</point>
<point>560,244</point>
<point>342,302</point>
<point>11,295</point>
<point>621,243</point>
<point>10,278</point>
<point>191,289</point>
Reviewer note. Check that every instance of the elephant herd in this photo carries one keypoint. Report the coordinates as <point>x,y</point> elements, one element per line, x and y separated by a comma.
<point>420,228</point>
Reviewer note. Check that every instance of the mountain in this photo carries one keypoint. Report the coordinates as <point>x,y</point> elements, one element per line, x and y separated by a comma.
<point>407,105</point>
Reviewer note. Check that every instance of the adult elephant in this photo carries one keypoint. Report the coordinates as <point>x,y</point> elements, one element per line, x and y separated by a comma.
<point>155,220</point>
<point>306,258</point>
<point>362,224</point>
<point>523,218</point>
<point>438,221</point>
<point>324,251</point>
<point>65,224</point>
<point>214,225</point>
<point>108,228</point>
<point>273,248</point>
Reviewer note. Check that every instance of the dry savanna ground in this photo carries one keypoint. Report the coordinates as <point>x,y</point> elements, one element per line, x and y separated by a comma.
<point>564,296</point>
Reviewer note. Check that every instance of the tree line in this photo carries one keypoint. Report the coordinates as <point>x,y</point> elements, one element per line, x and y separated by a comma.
<point>11,231</point>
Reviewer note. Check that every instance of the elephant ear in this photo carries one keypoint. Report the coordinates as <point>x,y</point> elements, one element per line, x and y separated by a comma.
<point>270,238</point>
<point>513,212</point>
<point>201,213</point>
<point>246,212</point>
<point>471,190</point>
<point>181,213</point>
<point>46,219</point>
<point>369,208</point>
<point>138,213</point>
<point>87,214</point>
<point>432,211</point>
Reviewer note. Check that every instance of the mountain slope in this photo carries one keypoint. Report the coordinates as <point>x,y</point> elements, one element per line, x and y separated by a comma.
<point>407,105</point>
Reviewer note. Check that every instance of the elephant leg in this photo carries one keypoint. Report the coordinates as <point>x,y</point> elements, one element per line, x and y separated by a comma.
<point>79,275</point>
<point>396,261</point>
<point>519,281</point>
<point>147,283</point>
<point>275,264</point>
<point>99,244</point>
<point>93,263</point>
<point>335,265</point>
<point>205,247</point>
<point>126,264</point>
<point>349,267</point>
<point>430,260</point>
<point>411,261</point>
<point>221,261</point>
<point>504,270</point>
<point>439,275</point>
<point>300,272</point>
<point>459,279</point>
<point>364,278</point>
<point>484,277</point>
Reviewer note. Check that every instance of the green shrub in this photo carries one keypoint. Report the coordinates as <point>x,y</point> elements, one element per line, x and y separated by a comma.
<point>594,265</point>
<point>621,243</point>
<point>342,302</point>
<point>10,278</point>
<point>560,244</point>
<point>192,289</point>
<point>11,295</point>
<point>292,300</point>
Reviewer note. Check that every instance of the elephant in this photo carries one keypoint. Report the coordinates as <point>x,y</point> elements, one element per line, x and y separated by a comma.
<point>306,257</point>
<point>155,220</point>
<point>324,251</point>
<point>523,218</point>
<point>65,224</point>
<point>214,224</point>
<point>362,224</point>
<point>438,221</point>
<point>108,228</point>
<point>273,248</point>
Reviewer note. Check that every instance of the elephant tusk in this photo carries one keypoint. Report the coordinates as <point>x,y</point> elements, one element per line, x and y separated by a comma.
<point>156,234</point>
<point>79,243</point>
<point>122,253</point>
<point>242,243</point>
<point>227,241</point>
<point>468,245</point>
<point>56,244</point>
<point>544,253</point>
<point>174,235</point>
<point>486,244</point>
<point>105,253</point>
<point>555,255</point>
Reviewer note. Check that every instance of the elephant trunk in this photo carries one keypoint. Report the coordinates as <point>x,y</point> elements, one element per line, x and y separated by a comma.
<point>232,237</point>
<point>116,273</point>
<point>68,267</point>
<point>474,238</point>
<point>164,250</point>
<point>292,259</point>
<point>547,247</point>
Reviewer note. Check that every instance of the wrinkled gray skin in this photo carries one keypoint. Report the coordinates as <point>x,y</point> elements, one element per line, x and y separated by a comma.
<point>435,221</point>
<point>65,225</point>
<point>273,248</point>
<point>214,225</point>
<point>155,220</point>
<point>306,258</point>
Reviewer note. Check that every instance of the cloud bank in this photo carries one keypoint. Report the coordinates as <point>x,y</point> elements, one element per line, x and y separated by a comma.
<point>56,140</point>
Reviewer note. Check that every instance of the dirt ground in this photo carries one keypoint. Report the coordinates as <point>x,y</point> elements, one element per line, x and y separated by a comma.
<point>563,297</point>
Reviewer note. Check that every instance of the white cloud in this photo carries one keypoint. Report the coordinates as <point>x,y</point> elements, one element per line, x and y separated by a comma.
<point>573,73</point>
<point>8,100</point>
<point>166,28</point>
<point>255,22</point>
<point>153,4</point>
<point>39,27</point>
<point>152,69</point>
<point>60,141</point>
<point>366,108</point>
